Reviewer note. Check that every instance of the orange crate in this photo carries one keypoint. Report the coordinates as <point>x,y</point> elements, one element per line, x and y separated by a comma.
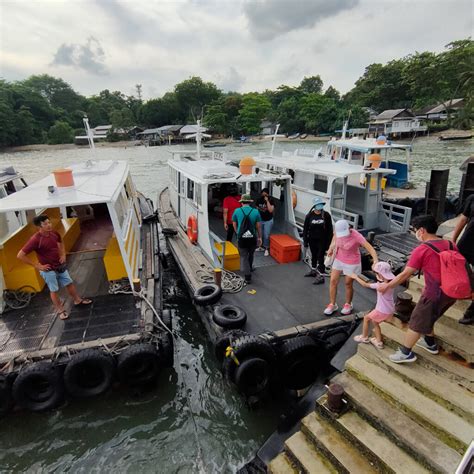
<point>284,249</point>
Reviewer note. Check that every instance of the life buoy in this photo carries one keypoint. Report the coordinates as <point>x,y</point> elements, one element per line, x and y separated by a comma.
<point>226,340</point>
<point>38,387</point>
<point>294,199</point>
<point>192,229</point>
<point>229,316</point>
<point>5,395</point>
<point>89,373</point>
<point>139,365</point>
<point>207,295</point>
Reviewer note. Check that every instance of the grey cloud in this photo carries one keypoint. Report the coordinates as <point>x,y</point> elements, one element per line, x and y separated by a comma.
<point>268,19</point>
<point>232,81</point>
<point>89,56</point>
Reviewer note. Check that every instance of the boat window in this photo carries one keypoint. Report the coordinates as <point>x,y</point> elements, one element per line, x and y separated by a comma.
<point>198,195</point>
<point>121,208</point>
<point>320,183</point>
<point>190,189</point>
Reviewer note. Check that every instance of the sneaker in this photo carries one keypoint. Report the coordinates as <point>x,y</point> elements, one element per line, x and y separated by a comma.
<point>347,309</point>
<point>330,308</point>
<point>311,273</point>
<point>362,339</point>
<point>267,253</point>
<point>400,358</point>
<point>431,349</point>
<point>318,280</point>
<point>467,318</point>
<point>375,343</point>
<point>259,249</point>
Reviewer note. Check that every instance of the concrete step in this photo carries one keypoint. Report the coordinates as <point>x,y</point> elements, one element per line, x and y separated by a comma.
<point>412,437</point>
<point>376,445</point>
<point>435,386</point>
<point>282,465</point>
<point>449,427</point>
<point>455,341</point>
<point>335,447</point>
<point>445,364</point>
<point>303,454</point>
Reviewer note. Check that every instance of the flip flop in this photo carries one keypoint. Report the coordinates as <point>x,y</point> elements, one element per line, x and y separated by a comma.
<point>63,315</point>
<point>83,302</point>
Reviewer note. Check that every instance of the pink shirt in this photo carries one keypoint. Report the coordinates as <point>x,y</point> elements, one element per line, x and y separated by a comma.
<point>385,303</point>
<point>348,248</point>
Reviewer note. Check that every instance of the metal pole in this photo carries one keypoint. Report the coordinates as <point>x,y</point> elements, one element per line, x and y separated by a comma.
<point>274,139</point>
<point>90,136</point>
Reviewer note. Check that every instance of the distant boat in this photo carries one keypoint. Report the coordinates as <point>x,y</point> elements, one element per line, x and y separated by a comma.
<point>303,136</point>
<point>466,136</point>
<point>294,136</point>
<point>214,145</point>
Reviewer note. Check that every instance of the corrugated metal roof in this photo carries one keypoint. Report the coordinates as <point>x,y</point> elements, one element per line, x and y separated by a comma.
<point>442,107</point>
<point>191,129</point>
<point>391,113</point>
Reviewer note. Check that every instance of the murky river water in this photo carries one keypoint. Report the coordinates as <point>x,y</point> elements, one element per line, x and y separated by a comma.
<point>193,422</point>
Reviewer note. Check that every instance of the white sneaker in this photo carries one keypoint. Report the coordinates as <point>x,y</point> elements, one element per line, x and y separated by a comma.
<point>267,253</point>
<point>330,308</point>
<point>259,249</point>
<point>347,309</point>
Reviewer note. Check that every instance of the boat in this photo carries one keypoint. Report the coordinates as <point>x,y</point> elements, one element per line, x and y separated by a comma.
<point>294,136</point>
<point>303,136</point>
<point>465,136</point>
<point>110,233</point>
<point>214,145</point>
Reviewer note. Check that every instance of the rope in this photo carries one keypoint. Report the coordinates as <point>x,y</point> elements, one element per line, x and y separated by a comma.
<point>230,283</point>
<point>18,299</point>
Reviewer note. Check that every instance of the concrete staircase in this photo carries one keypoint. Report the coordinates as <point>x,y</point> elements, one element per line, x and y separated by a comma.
<point>405,418</point>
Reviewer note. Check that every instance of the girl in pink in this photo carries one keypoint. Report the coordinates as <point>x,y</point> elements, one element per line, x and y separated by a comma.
<point>384,308</point>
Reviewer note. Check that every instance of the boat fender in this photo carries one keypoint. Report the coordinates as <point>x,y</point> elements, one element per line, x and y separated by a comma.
<point>89,373</point>
<point>38,387</point>
<point>229,316</point>
<point>298,362</point>
<point>226,340</point>
<point>139,365</point>
<point>5,395</point>
<point>207,295</point>
<point>192,229</point>
<point>168,232</point>
<point>166,339</point>
<point>294,199</point>
<point>253,376</point>
<point>163,260</point>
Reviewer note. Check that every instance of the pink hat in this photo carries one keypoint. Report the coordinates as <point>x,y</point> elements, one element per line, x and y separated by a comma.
<point>384,269</point>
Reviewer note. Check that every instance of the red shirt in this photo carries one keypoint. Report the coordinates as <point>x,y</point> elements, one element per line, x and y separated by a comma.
<point>46,247</point>
<point>231,203</point>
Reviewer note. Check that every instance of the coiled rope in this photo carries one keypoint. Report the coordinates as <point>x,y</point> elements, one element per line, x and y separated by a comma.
<point>230,283</point>
<point>18,299</point>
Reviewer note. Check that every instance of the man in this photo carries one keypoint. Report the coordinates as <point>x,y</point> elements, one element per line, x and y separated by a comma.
<point>49,248</point>
<point>433,302</point>
<point>246,222</point>
<point>266,206</point>
<point>466,247</point>
<point>229,205</point>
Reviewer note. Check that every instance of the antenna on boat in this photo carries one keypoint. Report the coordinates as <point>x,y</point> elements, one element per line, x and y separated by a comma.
<point>274,138</point>
<point>345,126</point>
<point>90,136</point>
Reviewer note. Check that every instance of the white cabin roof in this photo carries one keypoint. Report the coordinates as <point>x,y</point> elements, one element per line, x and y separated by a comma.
<point>8,174</point>
<point>367,145</point>
<point>94,182</point>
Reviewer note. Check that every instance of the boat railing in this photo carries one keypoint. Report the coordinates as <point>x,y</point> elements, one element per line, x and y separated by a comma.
<point>218,251</point>
<point>393,217</point>
<point>352,218</point>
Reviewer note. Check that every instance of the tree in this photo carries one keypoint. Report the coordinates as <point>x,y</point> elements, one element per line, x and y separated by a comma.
<point>25,127</point>
<point>288,115</point>
<point>159,112</point>
<point>332,93</point>
<point>60,132</point>
<point>254,109</point>
<point>311,85</point>
<point>7,124</point>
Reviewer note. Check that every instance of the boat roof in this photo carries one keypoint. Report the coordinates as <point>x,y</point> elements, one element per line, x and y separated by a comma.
<point>326,167</point>
<point>367,145</point>
<point>94,182</point>
<point>211,171</point>
<point>8,174</point>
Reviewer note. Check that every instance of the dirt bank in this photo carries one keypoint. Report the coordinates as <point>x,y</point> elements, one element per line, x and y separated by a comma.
<point>66,146</point>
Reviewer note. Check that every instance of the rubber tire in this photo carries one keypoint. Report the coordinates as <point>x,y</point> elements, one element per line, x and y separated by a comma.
<point>229,316</point>
<point>248,347</point>
<point>139,365</point>
<point>5,395</point>
<point>166,340</point>
<point>253,376</point>
<point>224,341</point>
<point>89,373</point>
<point>335,341</point>
<point>298,362</point>
<point>207,295</point>
<point>33,378</point>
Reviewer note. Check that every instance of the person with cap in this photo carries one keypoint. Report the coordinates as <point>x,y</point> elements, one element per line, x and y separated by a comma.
<point>266,206</point>
<point>345,247</point>
<point>384,308</point>
<point>246,221</point>
<point>229,205</point>
<point>317,234</point>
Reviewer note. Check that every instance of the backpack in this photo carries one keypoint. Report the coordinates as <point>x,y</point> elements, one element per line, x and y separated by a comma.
<point>247,235</point>
<point>454,277</point>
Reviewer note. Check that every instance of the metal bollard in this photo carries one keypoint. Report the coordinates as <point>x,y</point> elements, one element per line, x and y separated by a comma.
<point>218,276</point>
<point>335,394</point>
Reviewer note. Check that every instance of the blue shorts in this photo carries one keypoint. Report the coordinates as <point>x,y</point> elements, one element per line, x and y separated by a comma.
<point>56,280</point>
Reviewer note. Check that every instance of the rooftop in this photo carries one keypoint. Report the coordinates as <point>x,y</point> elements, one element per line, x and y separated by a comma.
<point>370,144</point>
<point>391,113</point>
<point>191,129</point>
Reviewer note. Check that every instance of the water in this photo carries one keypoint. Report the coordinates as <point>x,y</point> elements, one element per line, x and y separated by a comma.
<point>194,421</point>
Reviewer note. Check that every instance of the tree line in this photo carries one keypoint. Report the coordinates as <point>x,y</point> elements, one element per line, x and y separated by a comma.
<point>45,109</point>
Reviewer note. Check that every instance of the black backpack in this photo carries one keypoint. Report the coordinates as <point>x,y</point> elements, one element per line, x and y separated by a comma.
<point>247,235</point>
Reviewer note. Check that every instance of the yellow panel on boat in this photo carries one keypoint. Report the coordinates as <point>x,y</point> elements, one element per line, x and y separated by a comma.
<point>113,261</point>
<point>373,183</point>
<point>231,257</point>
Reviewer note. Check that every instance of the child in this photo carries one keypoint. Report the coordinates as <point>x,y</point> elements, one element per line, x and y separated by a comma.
<point>384,308</point>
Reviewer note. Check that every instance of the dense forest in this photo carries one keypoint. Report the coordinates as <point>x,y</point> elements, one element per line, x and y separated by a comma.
<point>45,109</point>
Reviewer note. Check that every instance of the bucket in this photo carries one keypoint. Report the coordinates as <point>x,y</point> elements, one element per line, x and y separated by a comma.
<point>63,177</point>
<point>246,165</point>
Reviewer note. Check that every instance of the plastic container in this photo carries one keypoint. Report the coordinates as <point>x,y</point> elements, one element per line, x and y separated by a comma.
<point>63,177</point>
<point>284,249</point>
<point>247,165</point>
<point>231,257</point>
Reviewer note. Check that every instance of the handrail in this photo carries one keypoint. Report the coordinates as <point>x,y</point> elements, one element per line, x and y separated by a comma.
<point>348,216</point>
<point>398,216</point>
<point>215,239</point>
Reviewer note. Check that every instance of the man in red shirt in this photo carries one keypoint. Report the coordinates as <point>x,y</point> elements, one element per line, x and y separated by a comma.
<point>433,302</point>
<point>49,248</point>
<point>229,205</point>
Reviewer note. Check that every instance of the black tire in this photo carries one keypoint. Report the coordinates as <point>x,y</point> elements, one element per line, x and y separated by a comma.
<point>5,395</point>
<point>38,387</point>
<point>166,340</point>
<point>253,376</point>
<point>299,362</point>
<point>164,261</point>
<point>224,341</point>
<point>229,316</point>
<point>335,341</point>
<point>207,295</point>
<point>139,365</point>
<point>89,373</point>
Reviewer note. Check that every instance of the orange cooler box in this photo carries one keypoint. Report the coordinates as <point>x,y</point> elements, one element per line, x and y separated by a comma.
<point>284,249</point>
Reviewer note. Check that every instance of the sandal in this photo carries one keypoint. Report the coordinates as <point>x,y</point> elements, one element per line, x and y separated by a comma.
<point>361,338</point>
<point>63,315</point>
<point>83,302</point>
<point>375,343</point>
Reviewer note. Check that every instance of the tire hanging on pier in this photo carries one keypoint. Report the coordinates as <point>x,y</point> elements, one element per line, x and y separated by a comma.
<point>207,295</point>
<point>38,387</point>
<point>139,365</point>
<point>166,339</point>
<point>89,373</point>
<point>229,316</point>
<point>225,341</point>
<point>5,395</point>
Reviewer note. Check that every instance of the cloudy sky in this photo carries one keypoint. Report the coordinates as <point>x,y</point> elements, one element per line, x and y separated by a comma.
<point>240,45</point>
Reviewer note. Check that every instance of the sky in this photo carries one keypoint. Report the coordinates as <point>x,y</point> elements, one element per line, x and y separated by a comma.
<point>240,45</point>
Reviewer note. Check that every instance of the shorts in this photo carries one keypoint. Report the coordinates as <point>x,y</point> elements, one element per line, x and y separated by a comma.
<point>347,268</point>
<point>56,280</point>
<point>377,316</point>
<point>427,312</point>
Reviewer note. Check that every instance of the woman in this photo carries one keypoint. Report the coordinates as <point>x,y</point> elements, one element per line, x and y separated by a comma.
<point>347,260</point>
<point>317,234</point>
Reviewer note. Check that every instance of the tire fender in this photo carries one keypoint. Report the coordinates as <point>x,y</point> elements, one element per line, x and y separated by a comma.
<point>225,341</point>
<point>229,316</point>
<point>139,365</point>
<point>207,295</point>
<point>5,395</point>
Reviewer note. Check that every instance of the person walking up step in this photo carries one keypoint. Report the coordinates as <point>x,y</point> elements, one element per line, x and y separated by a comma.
<point>266,206</point>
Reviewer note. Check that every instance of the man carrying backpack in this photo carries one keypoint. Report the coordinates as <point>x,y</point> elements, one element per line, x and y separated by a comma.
<point>246,221</point>
<point>430,257</point>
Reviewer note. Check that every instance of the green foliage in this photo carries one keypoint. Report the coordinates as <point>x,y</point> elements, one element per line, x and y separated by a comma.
<point>254,109</point>
<point>311,85</point>
<point>60,132</point>
<point>159,112</point>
